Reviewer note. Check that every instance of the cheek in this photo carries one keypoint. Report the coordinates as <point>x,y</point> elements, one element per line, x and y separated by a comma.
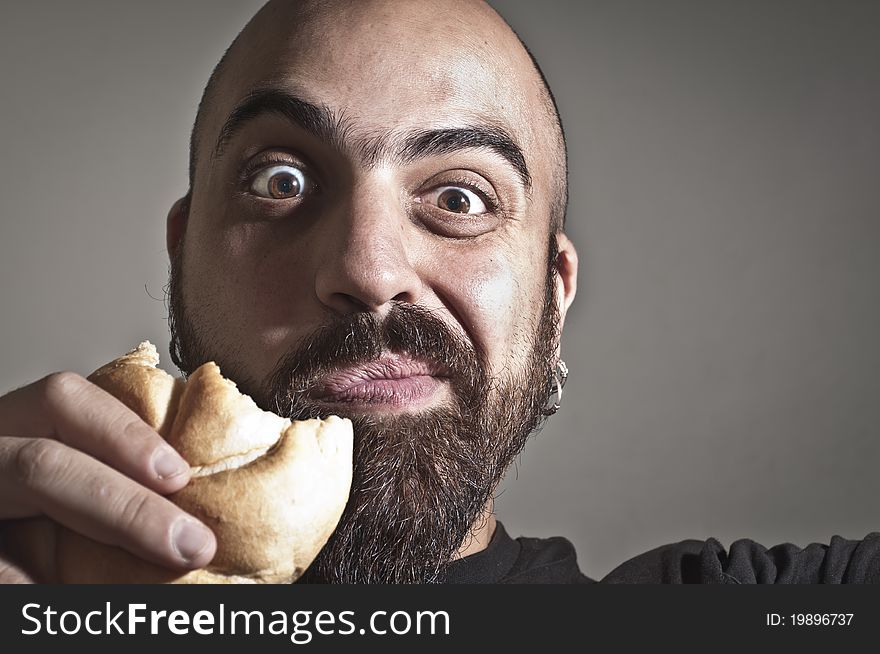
<point>495,300</point>
<point>245,294</point>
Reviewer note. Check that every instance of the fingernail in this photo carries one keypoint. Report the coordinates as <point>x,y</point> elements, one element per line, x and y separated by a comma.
<point>190,539</point>
<point>167,463</point>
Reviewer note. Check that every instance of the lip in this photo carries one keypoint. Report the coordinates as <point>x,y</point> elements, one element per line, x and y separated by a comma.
<point>392,380</point>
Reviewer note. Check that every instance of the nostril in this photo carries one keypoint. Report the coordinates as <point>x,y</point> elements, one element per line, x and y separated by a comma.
<point>351,304</point>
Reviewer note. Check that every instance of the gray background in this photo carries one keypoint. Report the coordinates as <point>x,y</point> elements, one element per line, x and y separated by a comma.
<point>725,201</point>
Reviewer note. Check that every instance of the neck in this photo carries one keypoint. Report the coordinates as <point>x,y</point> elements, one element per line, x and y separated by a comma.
<point>480,534</point>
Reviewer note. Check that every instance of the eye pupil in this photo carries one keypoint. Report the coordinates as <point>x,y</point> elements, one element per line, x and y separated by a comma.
<point>283,185</point>
<point>454,200</point>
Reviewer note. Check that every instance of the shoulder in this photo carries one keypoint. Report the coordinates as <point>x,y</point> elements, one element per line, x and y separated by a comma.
<point>546,561</point>
<point>748,562</point>
<point>675,563</point>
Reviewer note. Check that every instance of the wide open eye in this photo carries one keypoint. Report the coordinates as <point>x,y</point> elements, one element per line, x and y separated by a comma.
<point>279,182</point>
<point>455,199</point>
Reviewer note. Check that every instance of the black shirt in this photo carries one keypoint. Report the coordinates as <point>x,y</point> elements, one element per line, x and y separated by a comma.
<point>520,561</point>
<point>553,561</point>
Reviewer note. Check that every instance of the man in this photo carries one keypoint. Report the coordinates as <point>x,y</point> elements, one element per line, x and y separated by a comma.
<point>362,236</point>
<point>374,228</point>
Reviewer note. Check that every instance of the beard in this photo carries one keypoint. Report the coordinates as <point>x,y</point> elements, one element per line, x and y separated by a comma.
<point>420,481</point>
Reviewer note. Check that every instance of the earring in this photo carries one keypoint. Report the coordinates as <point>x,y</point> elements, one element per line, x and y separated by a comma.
<point>557,382</point>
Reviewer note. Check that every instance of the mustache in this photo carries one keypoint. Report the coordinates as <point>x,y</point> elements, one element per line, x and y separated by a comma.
<point>359,338</point>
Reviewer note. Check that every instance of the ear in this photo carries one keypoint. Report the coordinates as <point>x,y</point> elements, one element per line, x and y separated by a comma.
<point>175,224</point>
<point>566,275</point>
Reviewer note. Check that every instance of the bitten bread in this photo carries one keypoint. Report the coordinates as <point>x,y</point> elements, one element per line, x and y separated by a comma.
<point>271,490</point>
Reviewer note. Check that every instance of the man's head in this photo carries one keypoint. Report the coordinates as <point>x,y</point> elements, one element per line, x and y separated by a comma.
<point>373,229</point>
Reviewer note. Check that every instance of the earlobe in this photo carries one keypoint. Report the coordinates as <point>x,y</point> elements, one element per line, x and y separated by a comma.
<point>566,269</point>
<point>175,224</point>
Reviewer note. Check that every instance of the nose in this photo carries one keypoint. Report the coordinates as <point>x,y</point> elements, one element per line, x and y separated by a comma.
<point>365,261</point>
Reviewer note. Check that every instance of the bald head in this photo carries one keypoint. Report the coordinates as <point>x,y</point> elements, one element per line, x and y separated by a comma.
<point>394,46</point>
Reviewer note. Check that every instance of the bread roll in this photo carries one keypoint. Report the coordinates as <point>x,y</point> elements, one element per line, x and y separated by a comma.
<point>272,491</point>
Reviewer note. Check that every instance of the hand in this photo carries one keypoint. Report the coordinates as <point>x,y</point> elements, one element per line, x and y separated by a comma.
<point>72,452</point>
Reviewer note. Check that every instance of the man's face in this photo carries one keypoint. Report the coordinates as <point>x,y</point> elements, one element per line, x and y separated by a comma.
<point>372,240</point>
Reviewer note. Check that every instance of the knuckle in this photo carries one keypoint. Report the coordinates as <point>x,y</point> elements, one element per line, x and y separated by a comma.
<point>38,460</point>
<point>135,438</point>
<point>131,510</point>
<point>132,430</point>
<point>60,386</point>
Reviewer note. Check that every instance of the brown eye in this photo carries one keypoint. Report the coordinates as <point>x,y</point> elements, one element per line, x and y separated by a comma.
<point>279,182</point>
<point>455,199</point>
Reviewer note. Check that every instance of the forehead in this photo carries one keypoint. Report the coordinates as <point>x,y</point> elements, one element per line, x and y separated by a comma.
<point>385,69</point>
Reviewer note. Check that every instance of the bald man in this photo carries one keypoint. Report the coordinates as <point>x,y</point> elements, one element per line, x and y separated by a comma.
<point>374,228</point>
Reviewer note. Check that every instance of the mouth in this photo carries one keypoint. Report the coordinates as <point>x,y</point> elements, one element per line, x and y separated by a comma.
<point>393,381</point>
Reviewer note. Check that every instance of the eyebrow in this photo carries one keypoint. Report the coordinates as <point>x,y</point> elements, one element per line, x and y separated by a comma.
<point>434,142</point>
<point>336,131</point>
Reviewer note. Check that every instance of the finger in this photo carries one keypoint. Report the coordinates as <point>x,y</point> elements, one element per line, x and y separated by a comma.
<point>69,408</point>
<point>97,501</point>
<point>12,574</point>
